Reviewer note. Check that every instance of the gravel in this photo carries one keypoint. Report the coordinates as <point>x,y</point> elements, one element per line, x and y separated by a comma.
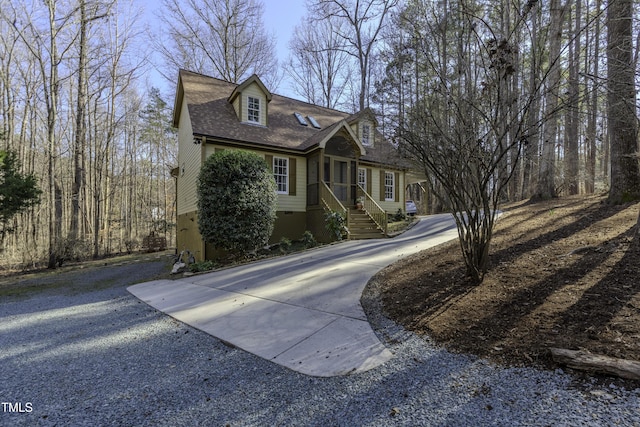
<point>104,358</point>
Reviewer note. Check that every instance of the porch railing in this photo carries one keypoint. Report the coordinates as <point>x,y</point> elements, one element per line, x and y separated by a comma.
<point>373,209</point>
<point>331,203</point>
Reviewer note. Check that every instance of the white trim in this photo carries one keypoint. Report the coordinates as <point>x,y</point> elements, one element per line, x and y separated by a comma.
<point>362,183</point>
<point>366,136</point>
<point>342,125</point>
<point>278,174</point>
<point>392,184</point>
<point>253,110</point>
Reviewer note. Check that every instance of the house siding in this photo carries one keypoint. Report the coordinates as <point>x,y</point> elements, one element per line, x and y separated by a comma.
<point>296,200</point>
<point>189,160</point>
<point>236,106</point>
<point>377,192</point>
<point>188,235</point>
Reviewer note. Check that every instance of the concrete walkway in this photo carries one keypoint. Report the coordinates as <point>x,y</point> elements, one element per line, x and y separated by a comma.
<point>301,311</point>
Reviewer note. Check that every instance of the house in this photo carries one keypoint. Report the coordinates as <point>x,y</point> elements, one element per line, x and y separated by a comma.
<point>322,159</point>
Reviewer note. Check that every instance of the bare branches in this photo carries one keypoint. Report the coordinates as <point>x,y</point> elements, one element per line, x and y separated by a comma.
<point>365,19</point>
<point>469,126</point>
<point>318,66</point>
<point>71,106</point>
<point>225,39</point>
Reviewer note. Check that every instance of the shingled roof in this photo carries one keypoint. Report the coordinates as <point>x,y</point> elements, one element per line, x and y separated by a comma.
<point>213,116</point>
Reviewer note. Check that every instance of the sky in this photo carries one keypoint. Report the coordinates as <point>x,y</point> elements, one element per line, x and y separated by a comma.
<point>280,18</point>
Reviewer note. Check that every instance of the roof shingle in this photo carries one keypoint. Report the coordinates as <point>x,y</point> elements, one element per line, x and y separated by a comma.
<point>213,116</point>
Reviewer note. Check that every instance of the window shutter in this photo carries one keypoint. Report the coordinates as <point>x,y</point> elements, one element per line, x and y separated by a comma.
<point>396,183</point>
<point>292,176</point>
<point>368,182</point>
<point>382,173</point>
<point>269,159</point>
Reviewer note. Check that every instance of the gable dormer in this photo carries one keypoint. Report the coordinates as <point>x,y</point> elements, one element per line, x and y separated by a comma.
<point>250,100</point>
<point>364,124</point>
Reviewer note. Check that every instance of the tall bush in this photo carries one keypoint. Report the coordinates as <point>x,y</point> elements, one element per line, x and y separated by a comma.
<point>236,201</point>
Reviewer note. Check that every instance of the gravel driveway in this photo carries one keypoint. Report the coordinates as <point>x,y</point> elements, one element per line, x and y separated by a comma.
<point>75,357</point>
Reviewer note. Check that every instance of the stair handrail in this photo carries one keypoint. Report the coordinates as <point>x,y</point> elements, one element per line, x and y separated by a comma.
<point>332,204</point>
<point>373,209</point>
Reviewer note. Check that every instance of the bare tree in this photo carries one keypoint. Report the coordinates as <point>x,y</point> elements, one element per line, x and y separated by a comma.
<point>530,160</point>
<point>467,130</point>
<point>487,85</point>
<point>43,45</point>
<point>96,12</point>
<point>365,20</point>
<point>222,38</point>
<point>318,67</point>
<point>593,103</point>
<point>113,81</point>
<point>8,47</point>
<point>70,104</point>
<point>546,186</point>
<point>621,103</point>
<point>572,157</point>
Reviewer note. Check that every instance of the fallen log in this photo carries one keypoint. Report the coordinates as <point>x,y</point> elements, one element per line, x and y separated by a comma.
<point>586,361</point>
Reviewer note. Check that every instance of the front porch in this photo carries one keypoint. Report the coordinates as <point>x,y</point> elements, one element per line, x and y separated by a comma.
<point>367,222</point>
<point>336,182</point>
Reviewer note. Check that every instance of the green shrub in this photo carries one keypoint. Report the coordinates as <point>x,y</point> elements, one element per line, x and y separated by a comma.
<point>398,216</point>
<point>236,201</point>
<point>308,240</point>
<point>336,223</point>
<point>200,266</point>
<point>285,245</point>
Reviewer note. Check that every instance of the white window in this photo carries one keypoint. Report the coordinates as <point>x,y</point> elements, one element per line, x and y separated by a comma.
<point>389,186</point>
<point>366,134</point>
<point>362,178</point>
<point>281,174</point>
<point>253,109</point>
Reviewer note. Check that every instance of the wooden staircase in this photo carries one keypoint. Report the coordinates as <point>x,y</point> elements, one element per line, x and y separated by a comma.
<point>362,226</point>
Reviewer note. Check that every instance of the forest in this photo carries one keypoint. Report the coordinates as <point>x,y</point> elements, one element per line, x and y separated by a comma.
<point>495,101</point>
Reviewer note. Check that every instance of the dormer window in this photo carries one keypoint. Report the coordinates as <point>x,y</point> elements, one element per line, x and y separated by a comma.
<point>366,134</point>
<point>250,101</point>
<point>253,109</point>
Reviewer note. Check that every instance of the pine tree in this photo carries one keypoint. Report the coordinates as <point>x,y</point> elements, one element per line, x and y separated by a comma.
<point>17,191</point>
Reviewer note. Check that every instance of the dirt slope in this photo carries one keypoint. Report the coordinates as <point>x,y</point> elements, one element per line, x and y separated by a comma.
<point>564,273</point>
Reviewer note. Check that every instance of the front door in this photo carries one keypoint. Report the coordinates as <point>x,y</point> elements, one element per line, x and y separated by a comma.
<point>341,169</point>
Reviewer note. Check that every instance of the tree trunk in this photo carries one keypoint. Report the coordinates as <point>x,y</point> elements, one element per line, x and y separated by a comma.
<point>591,135</point>
<point>573,105</point>
<point>585,361</point>
<point>622,118</point>
<point>51,94</point>
<point>546,188</point>
<point>638,230</point>
<point>530,156</point>
<point>79,141</point>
